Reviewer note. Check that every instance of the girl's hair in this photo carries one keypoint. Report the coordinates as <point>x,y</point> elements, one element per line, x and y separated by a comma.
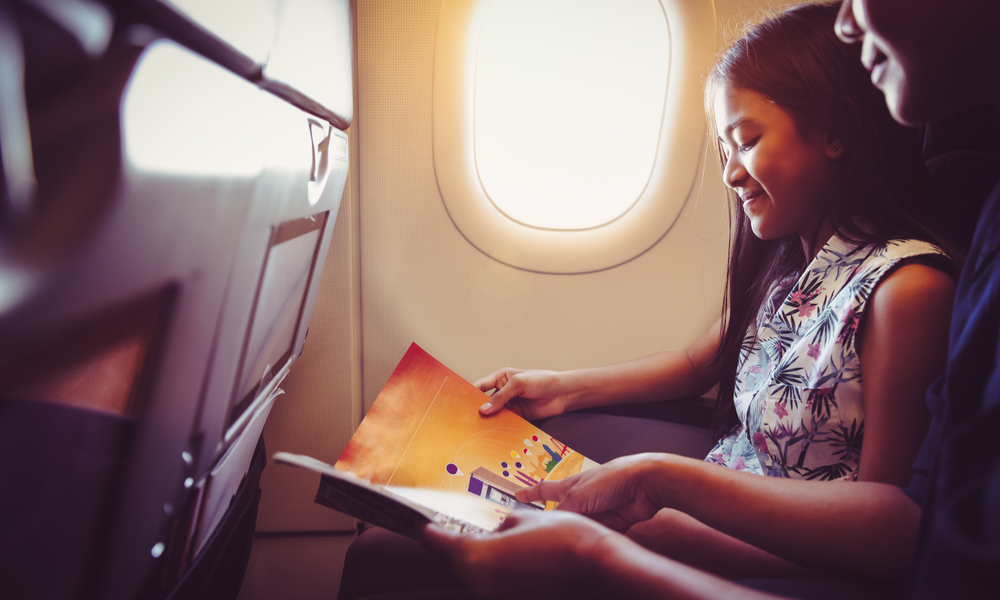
<point>879,192</point>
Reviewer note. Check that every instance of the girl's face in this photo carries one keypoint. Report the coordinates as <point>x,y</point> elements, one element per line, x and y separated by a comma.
<point>779,173</point>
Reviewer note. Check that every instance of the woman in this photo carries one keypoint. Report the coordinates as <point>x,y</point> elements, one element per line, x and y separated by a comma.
<point>833,273</point>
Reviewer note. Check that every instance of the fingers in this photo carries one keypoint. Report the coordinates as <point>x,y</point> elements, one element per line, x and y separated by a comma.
<point>512,520</point>
<point>546,490</point>
<point>510,389</point>
<point>612,520</point>
<point>496,380</point>
<point>491,381</point>
<point>515,406</point>
<point>572,494</point>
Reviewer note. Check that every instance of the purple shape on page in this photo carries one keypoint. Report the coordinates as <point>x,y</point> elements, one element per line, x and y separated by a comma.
<point>532,479</point>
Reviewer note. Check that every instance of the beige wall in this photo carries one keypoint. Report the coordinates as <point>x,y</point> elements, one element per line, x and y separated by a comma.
<point>400,272</point>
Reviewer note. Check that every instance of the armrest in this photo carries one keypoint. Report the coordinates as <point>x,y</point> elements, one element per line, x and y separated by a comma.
<point>696,412</point>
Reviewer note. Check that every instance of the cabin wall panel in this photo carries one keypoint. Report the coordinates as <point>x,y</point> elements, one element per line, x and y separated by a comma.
<point>421,281</point>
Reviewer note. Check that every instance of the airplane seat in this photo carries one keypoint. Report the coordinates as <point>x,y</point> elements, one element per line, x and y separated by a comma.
<point>604,433</point>
<point>962,181</point>
<point>167,201</point>
<point>605,437</point>
<point>218,571</point>
<point>963,158</point>
<point>973,130</point>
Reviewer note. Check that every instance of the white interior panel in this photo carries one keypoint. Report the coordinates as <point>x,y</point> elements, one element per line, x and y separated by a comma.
<point>417,279</point>
<point>423,282</point>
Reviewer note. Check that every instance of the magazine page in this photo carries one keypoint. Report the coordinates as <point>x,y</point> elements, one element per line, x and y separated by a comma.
<point>424,432</point>
<point>374,504</point>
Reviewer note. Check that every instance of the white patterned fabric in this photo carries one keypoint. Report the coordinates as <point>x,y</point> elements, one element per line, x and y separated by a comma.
<point>798,384</point>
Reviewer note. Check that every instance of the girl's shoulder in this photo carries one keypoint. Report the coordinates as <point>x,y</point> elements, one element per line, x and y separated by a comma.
<point>896,253</point>
<point>900,248</point>
<point>918,277</point>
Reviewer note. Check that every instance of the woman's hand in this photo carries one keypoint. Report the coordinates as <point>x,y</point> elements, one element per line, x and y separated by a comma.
<point>533,555</point>
<point>530,394</point>
<point>554,554</point>
<point>618,494</point>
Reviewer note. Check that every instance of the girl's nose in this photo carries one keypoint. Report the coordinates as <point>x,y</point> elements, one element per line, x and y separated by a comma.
<point>847,27</point>
<point>733,172</point>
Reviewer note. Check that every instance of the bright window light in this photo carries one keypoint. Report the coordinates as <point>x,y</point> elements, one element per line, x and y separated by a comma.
<point>569,102</point>
<point>571,153</point>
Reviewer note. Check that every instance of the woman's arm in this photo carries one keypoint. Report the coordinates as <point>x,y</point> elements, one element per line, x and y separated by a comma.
<point>904,346</point>
<point>660,376</point>
<point>861,529</point>
<point>685,539</point>
<point>558,555</point>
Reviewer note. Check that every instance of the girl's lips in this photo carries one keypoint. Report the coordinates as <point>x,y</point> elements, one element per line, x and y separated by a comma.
<point>748,198</point>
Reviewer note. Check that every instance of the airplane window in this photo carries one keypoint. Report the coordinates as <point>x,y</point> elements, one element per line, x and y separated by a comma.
<point>547,73</point>
<point>568,135</point>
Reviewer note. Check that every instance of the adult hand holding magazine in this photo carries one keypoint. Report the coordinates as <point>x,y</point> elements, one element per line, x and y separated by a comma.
<point>424,454</point>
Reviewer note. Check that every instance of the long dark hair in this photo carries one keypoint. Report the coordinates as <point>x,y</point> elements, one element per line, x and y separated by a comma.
<point>879,192</point>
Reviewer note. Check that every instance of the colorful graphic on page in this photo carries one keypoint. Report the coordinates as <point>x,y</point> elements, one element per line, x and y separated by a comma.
<point>425,431</point>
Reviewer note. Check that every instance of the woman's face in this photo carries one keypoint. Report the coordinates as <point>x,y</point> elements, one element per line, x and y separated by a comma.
<point>778,173</point>
<point>927,56</point>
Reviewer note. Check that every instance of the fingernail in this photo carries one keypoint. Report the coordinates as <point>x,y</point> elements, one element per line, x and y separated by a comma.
<point>486,407</point>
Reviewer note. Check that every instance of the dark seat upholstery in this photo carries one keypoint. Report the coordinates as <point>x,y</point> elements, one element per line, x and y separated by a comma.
<point>963,158</point>
<point>962,181</point>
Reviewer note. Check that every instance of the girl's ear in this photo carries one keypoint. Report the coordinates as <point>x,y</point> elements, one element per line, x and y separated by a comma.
<point>833,147</point>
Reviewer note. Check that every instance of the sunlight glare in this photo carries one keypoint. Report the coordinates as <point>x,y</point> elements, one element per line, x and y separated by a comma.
<point>569,99</point>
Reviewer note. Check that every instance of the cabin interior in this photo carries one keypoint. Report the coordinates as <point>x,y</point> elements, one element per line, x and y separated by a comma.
<point>179,145</point>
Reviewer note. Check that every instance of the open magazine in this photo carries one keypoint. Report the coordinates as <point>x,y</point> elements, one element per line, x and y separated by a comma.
<point>423,453</point>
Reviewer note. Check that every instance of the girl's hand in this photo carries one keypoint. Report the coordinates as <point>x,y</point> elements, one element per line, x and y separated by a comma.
<point>617,494</point>
<point>531,394</point>
<point>532,555</point>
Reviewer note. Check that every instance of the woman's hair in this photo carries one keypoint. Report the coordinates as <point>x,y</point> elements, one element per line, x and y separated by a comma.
<point>879,192</point>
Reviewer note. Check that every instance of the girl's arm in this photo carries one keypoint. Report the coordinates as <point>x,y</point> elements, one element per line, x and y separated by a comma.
<point>661,376</point>
<point>904,347</point>
<point>860,529</point>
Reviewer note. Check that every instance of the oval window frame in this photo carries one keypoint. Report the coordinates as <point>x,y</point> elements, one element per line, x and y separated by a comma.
<point>691,24</point>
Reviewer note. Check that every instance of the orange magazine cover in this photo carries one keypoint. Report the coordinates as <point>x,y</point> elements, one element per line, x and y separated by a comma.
<point>424,432</point>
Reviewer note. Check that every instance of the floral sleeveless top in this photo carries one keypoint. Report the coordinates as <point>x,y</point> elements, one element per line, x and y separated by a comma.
<point>798,384</point>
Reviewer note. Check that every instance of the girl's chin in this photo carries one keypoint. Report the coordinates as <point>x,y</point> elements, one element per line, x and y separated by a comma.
<point>762,231</point>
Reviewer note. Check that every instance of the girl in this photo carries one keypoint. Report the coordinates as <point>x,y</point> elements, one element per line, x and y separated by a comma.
<point>834,273</point>
<point>838,297</point>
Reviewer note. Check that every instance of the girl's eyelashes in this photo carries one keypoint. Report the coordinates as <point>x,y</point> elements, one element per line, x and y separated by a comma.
<point>739,147</point>
<point>749,145</point>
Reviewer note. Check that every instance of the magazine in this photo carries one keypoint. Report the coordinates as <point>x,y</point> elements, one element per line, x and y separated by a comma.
<point>423,453</point>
